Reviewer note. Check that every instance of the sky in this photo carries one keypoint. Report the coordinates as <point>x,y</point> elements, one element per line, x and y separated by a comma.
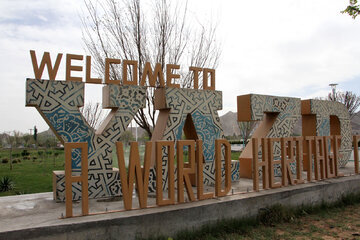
<point>292,48</point>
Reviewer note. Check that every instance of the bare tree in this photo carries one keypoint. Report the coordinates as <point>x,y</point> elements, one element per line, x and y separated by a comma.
<point>14,138</point>
<point>13,142</point>
<point>162,33</point>
<point>93,113</point>
<point>348,98</point>
<point>246,130</point>
<point>27,139</point>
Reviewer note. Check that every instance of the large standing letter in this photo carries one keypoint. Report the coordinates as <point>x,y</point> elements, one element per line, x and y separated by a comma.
<point>278,116</point>
<point>59,101</point>
<point>194,112</point>
<point>324,118</point>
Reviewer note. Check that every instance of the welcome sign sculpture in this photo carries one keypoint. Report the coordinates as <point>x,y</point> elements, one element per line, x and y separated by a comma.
<point>59,101</point>
<point>192,111</point>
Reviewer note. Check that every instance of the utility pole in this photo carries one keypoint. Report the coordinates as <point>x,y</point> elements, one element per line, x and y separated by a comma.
<point>333,89</point>
<point>35,136</point>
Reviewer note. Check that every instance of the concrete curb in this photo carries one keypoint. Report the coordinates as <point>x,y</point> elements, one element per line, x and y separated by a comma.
<point>171,219</point>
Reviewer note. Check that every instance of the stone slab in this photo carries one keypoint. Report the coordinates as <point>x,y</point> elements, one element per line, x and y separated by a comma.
<point>37,216</point>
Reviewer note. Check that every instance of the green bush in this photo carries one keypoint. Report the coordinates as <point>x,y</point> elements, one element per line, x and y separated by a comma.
<point>5,160</point>
<point>275,214</point>
<point>6,184</point>
<point>25,153</point>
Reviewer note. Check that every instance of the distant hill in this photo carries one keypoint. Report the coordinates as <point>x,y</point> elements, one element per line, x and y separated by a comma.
<point>49,132</point>
<point>230,126</point>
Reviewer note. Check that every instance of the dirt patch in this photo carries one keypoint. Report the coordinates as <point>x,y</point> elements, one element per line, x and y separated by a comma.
<point>340,223</point>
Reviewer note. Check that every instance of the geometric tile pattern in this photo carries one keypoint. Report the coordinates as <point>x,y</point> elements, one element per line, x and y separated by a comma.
<point>287,107</point>
<point>59,101</point>
<point>289,112</point>
<point>202,106</point>
<point>323,110</point>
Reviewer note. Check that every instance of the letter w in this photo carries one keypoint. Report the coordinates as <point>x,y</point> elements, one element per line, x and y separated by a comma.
<point>142,174</point>
<point>46,60</point>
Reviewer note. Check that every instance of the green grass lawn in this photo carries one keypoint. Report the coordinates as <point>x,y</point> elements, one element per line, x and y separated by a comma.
<point>33,173</point>
<point>235,155</point>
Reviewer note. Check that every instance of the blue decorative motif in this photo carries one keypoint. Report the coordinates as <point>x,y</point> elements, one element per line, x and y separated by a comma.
<point>59,102</point>
<point>208,132</point>
<point>323,109</point>
<point>202,106</point>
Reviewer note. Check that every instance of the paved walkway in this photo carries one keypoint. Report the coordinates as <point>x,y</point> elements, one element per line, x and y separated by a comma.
<point>31,211</point>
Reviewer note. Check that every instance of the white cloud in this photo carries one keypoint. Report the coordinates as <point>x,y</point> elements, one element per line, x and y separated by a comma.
<point>287,48</point>
<point>39,25</point>
<point>283,47</point>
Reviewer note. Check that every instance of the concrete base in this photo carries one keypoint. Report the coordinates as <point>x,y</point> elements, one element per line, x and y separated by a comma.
<point>37,216</point>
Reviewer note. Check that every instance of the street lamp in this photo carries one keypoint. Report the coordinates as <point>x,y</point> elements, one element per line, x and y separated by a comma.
<point>333,88</point>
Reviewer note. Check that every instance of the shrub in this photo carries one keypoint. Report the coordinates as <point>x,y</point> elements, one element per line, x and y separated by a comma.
<point>34,157</point>
<point>25,153</point>
<point>14,161</point>
<point>4,160</point>
<point>6,184</point>
<point>275,214</point>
